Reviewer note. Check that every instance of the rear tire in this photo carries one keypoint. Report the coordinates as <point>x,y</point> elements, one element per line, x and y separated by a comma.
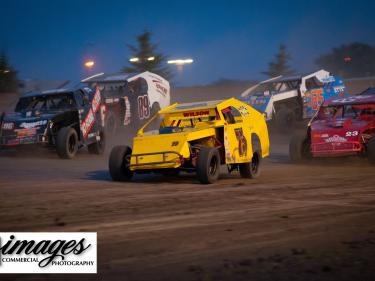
<point>67,143</point>
<point>252,169</point>
<point>118,164</point>
<point>285,119</point>
<point>371,151</point>
<point>208,165</point>
<point>299,149</point>
<point>97,147</point>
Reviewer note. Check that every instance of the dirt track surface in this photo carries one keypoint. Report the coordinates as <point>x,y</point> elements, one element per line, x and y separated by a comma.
<point>295,222</point>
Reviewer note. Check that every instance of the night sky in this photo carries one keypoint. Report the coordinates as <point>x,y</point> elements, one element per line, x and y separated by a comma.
<point>227,39</point>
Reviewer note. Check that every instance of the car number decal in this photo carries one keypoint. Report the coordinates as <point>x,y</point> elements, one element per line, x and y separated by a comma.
<point>351,134</point>
<point>143,107</point>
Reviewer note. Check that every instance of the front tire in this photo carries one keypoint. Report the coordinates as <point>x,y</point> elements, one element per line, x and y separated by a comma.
<point>118,163</point>
<point>67,143</point>
<point>208,165</point>
<point>371,151</point>
<point>299,149</point>
<point>252,169</point>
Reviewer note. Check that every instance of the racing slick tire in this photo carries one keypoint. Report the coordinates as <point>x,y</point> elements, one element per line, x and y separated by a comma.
<point>285,119</point>
<point>67,143</point>
<point>299,148</point>
<point>208,165</point>
<point>371,150</point>
<point>118,163</point>
<point>252,169</point>
<point>97,147</point>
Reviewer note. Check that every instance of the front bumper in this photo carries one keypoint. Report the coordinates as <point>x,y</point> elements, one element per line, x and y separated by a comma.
<point>155,160</point>
<point>11,141</point>
<point>324,149</point>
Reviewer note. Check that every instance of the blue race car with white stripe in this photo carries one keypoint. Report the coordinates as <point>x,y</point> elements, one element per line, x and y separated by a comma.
<point>288,99</point>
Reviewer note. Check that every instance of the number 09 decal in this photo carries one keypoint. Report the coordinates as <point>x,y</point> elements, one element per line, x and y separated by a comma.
<point>143,107</point>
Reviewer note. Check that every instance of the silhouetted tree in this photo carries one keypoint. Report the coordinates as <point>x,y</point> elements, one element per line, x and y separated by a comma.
<point>279,66</point>
<point>148,57</point>
<point>351,60</point>
<point>8,76</point>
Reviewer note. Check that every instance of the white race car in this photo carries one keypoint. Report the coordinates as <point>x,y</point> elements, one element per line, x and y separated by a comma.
<point>131,99</point>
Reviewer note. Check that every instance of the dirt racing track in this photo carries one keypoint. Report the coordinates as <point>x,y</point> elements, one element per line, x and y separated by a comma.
<point>296,222</point>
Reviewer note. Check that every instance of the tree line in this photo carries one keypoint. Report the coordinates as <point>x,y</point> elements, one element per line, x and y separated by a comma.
<point>348,60</point>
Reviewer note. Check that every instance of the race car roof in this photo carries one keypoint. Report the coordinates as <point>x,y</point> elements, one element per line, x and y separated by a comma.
<point>108,78</point>
<point>289,78</point>
<point>56,91</point>
<point>180,107</point>
<point>362,99</point>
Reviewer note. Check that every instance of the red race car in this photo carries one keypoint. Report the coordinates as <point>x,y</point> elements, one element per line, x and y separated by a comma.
<point>341,127</point>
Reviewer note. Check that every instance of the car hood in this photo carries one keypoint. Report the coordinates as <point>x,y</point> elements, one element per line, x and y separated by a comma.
<point>347,124</point>
<point>342,130</point>
<point>27,120</point>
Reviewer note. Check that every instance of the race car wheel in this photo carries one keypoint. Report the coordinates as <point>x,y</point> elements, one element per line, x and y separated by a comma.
<point>208,165</point>
<point>67,143</point>
<point>299,148</point>
<point>118,162</point>
<point>99,146</point>
<point>251,170</point>
<point>371,150</point>
<point>285,118</point>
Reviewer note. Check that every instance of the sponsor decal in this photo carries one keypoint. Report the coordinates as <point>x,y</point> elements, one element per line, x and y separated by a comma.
<point>243,110</point>
<point>48,252</point>
<point>25,132</point>
<point>89,120</point>
<point>28,125</point>
<point>196,113</point>
<point>339,89</point>
<point>160,88</point>
<point>8,126</point>
<point>336,138</point>
<point>28,140</point>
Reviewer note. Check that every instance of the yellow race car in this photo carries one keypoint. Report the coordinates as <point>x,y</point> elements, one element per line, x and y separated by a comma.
<point>196,137</point>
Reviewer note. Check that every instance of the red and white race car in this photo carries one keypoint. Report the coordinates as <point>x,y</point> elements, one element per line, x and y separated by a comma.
<point>342,127</point>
